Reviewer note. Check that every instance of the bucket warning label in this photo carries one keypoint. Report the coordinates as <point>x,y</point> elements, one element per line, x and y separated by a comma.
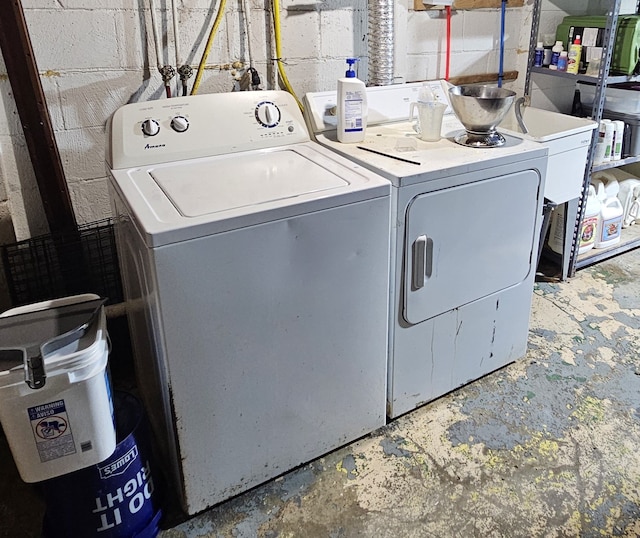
<point>51,430</point>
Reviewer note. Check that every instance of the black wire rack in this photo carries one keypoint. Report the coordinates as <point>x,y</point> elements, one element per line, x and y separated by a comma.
<point>64,263</point>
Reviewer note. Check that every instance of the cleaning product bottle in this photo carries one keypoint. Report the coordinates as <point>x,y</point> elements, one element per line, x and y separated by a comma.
<point>611,210</point>
<point>618,127</point>
<point>539,55</point>
<point>575,51</point>
<point>555,55</point>
<point>563,61</point>
<point>590,221</point>
<point>352,106</point>
<point>601,145</point>
<point>556,229</point>
<point>609,130</point>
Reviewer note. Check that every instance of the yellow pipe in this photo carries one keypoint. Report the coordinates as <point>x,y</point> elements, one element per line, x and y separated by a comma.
<point>207,49</point>
<point>276,32</point>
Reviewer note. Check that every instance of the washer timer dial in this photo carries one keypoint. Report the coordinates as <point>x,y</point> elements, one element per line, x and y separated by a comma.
<point>268,114</point>
<point>150,127</point>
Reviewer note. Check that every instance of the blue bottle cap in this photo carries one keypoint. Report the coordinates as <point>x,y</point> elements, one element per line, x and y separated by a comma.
<point>350,72</point>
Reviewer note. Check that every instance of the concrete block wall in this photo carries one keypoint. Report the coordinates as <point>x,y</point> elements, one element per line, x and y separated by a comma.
<point>96,55</point>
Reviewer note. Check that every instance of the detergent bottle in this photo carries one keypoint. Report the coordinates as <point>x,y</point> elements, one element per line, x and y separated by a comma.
<point>629,196</point>
<point>589,227</point>
<point>611,212</point>
<point>352,106</point>
<point>628,192</point>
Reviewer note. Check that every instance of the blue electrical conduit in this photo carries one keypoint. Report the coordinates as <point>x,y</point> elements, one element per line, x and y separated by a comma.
<point>502,18</point>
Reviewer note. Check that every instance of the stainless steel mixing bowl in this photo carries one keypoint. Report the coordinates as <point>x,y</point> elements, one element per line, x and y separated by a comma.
<point>480,108</point>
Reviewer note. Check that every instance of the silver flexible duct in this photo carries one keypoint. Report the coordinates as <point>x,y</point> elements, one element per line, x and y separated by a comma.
<point>381,42</point>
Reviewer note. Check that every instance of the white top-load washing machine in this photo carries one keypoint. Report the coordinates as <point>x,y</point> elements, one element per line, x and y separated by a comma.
<point>465,232</point>
<point>256,273</point>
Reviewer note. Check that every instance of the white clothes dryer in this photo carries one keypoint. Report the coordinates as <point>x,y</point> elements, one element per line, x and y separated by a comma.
<point>465,228</point>
<point>256,272</point>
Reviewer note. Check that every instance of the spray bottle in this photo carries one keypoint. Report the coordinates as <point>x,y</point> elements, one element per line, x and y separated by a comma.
<point>575,51</point>
<point>352,106</point>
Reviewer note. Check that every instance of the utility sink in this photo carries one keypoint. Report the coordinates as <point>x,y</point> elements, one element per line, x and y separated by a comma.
<point>568,139</point>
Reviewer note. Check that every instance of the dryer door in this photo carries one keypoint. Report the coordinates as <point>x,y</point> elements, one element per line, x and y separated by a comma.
<point>467,242</point>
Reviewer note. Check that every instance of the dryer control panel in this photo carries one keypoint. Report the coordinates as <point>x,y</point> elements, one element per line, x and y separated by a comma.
<point>201,126</point>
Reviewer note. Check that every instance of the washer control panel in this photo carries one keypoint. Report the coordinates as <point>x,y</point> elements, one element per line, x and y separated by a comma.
<point>203,125</point>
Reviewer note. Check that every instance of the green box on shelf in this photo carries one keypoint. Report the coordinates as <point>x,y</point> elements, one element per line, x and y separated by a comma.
<point>627,43</point>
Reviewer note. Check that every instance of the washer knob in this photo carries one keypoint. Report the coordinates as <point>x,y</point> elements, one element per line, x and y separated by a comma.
<point>150,127</point>
<point>268,114</point>
<point>179,124</point>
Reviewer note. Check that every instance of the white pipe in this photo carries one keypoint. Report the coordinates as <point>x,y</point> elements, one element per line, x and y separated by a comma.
<point>247,18</point>
<point>176,37</point>
<point>156,39</point>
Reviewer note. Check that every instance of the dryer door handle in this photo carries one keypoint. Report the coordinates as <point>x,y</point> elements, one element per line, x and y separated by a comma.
<point>422,261</point>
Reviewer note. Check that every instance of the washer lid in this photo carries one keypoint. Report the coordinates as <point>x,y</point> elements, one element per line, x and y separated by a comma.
<point>226,183</point>
<point>193,198</point>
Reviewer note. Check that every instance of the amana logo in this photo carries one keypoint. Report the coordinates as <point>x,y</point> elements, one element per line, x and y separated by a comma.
<point>153,146</point>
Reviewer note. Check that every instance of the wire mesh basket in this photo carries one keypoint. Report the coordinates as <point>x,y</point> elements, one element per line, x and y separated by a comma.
<point>64,263</point>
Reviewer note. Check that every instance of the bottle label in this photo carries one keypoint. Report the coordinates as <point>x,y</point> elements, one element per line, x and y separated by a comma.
<point>353,113</point>
<point>588,232</point>
<point>610,229</point>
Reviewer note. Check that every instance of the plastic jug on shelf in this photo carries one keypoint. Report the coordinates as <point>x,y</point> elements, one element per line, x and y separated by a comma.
<point>628,193</point>
<point>611,211</point>
<point>629,196</point>
<point>590,222</point>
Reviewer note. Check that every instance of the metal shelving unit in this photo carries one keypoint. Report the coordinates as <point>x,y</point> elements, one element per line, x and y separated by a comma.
<point>630,236</point>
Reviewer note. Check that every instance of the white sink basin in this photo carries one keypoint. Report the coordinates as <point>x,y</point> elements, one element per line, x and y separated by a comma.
<point>567,138</point>
<point>544,125</point>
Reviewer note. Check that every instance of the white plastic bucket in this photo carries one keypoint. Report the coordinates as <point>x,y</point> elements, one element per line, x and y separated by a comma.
<point>66,424</point>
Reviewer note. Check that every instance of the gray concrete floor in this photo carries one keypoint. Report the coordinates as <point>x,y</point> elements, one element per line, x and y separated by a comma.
<point>545,447</point>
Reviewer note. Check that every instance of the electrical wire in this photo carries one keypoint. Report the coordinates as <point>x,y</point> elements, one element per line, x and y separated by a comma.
<point>448,53</point>
<point>207,48</point>
<point>276,32</point>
